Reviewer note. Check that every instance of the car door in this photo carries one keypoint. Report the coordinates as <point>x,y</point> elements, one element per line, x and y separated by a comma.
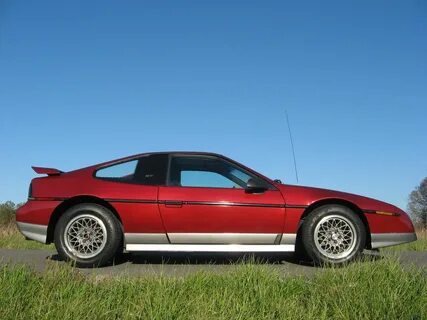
<point>205,202</point>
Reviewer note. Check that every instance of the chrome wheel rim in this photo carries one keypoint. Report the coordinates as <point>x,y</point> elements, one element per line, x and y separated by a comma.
<point>335,237</point>
<point>85,236</point>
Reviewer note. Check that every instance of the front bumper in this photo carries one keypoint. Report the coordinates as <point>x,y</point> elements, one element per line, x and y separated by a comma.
<point>380,240</point>
<point>33,231</point>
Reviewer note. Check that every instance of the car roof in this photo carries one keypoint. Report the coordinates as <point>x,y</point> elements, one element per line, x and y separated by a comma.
<point>135,156</point>
<point>180,152</point>
<point>173,152</point>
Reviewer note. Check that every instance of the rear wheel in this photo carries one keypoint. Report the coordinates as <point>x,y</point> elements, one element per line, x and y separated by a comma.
<point>333,234</point>
<point>89,235</point>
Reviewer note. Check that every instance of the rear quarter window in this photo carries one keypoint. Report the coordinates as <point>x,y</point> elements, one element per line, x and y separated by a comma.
<point>147,170</point>
<point>122,172</point>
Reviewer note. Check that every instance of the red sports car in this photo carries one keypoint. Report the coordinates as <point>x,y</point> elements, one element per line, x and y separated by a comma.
<point>194,201</point>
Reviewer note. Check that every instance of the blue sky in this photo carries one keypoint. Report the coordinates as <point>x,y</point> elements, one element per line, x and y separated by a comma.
<point>87,81</point>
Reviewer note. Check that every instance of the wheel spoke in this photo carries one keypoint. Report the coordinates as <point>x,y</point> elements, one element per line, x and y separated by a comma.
<point>335,236</point>
<point>85,236</point>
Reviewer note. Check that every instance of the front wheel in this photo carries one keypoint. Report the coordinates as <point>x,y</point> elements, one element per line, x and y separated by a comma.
<point>333,234</point>
<point>88,235</point>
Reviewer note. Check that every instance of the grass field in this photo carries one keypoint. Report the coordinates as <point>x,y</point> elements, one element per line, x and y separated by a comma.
<point>11,238</point>
<point>364,290</point>
<point>379,289</point>
<point>419,245</point>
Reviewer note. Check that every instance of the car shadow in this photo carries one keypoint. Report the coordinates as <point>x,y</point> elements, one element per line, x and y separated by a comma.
<point>220,258</point>
<point>190,258</point>
<point>196,258</point>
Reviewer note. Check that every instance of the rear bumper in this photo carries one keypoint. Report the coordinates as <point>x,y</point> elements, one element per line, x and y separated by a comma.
<point>33,231</point>
<point>380,240</point>
<point>33,218</point>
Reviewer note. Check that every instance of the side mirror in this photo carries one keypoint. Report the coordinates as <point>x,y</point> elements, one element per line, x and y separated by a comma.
<point>255,186</point>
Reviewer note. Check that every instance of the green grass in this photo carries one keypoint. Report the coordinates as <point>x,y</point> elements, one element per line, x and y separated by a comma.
<point>419,245</point>
<point>379,289</point>
<point>364,290</point>
<point>11,238</point>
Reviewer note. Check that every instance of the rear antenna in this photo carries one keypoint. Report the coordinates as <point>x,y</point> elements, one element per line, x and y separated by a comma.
<point>292,145</point>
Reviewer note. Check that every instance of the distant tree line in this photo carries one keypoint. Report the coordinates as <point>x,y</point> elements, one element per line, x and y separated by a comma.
<point>417,205</point>
<point>7,212</point>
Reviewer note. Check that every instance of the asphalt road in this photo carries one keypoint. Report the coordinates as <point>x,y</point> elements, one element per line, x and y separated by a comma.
<point>182,264</point>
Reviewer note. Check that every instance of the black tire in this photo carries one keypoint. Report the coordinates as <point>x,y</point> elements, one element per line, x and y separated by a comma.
<point>319,225</point>
<point>72,238</point>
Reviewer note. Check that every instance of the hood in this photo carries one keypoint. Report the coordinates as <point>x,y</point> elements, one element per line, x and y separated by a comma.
<point>301,195</point>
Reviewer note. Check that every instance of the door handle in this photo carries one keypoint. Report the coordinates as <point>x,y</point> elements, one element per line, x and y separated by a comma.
<point>173,204</point>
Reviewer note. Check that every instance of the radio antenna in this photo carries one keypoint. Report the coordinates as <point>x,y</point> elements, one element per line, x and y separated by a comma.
<point>292,145</point>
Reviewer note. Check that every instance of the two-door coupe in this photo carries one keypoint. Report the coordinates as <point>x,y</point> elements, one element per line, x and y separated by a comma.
<point>196,201</point>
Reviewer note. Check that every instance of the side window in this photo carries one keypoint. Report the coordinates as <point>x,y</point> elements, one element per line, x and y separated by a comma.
<point>123,172</point>
<point>206,179</point>
<point>207,171</point>
<point>241,175</point>
<point>147,170</point>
